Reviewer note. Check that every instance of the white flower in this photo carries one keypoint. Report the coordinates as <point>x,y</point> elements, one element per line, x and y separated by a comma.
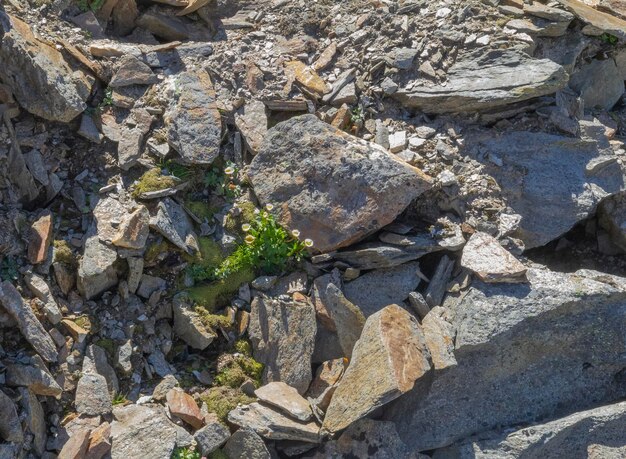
<point>229,170</point>
<point>269,207</point>
<point>245,227</point>
<point>265,215</point>
<point>295,233</point>
<point>308,243</point>
<point>249,239</point>
<point>257,211</point>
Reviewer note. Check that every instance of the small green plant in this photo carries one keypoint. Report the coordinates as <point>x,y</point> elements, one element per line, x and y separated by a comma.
<point>177,170</point>
<point>107,100</point>
<point>224,182</point>
<point>8,269</point>
<point>609,39</point>
<point>86,5</point>
<point>119,399</point>
<point>357,116</point>
<point>187,452</point>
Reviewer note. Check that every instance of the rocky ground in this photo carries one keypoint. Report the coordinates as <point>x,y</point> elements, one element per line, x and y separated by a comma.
<point>288,228</point>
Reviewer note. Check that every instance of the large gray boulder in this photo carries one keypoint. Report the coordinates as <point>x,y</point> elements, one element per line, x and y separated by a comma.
<point>574,436</point>
<point>483,81</point>
<point>332,187</point>
<point>524,352</point>
<point>40,79</point>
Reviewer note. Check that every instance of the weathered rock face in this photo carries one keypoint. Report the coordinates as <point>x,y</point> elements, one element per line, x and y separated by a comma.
<point>598,21</point>
<point>193,121</point>
<point>332,187</point>
<point>41,80</point>
<point>246,443</point>
<point>529,350</point>
<point>92,395</point>
<point>185,407</point>
<point>599,83</point>
<point>173,223</point>
<point>283,336</point>
<point>387,360</point>
<point>612,217</point>
<point>487,80</point>
<point>189,326</point>
<point>485,256</point>
<point>571,436</point>
<point>285,398</point>
<point>10,428</point>
<point>552,182</point>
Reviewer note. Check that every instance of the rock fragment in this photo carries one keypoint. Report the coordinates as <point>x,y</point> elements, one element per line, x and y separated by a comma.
<point>286,399</point>
<point>211,437</point>
<point>185,407</point>
<point>491,262</point>
<point>92,395</point>
<point>132,71</point>
<point>40,238</point>
<point>39,287</point>
<point>134,229</point>
<point>188,325</point>
<point>246,443</point>
<point>173,223</point>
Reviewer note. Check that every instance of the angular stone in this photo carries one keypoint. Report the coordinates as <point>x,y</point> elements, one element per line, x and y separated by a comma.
<point>307,77</point>
<point>96,361</point>
<point>529,350</point>
<point>570,436</point>
<point>37,378</point>
<point>40,238</point>
<point>185,407</point>
<point>89,23</point>
<point>252,124</point>
<point>347,318</point>
<point>487,80</point>
<point>388,359</point>
<point>96,270</point>
<point>27,322</point>
<point>134,230</point>
<point>283,336</point>
<point>439,336</point>
<point>99,442</point>
<point>546,180</point>
<point>335,189</point>
<point>124,15</point>
<point>286,399</point>
<point>211,437</point>
<point>612,217</point>
<point>273,425</point>
<point>38,286</point>
<point>326,380</point>
<point>173,223</point>
<point>65,277</point>
<point>599,83</point>
<point>600,21</point>
<point>159,365</point>
<point>163,26</point>
<point>76,446</point>
<point>246,443</point>
<point>189,327</point>
<point>92,395</point>
<point>132,71</point>
<point>123,358</point>
<point>10,426</point>
<point>150,285</point>
<point>135,272</point>
<point>194,125</point>
<point>141,431</point>
<point>491,262</point>
<point>33,413</point>
<point>89,130</point>
<point>373,291</point>
<point>38,76</point>
<point>547,12</point>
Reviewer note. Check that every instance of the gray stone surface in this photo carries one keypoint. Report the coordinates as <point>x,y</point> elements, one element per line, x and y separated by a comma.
<point>347,318</point>
<point>188,326</point>
<point>35,420</point>
<point>10,427</point>
<point>92,395</point>
<point>599,83</point>
<point>246,443</point>
<point>40,288</point>
<point>96,361</point>
<point>173,223</point>
<point>612,217</point>
<point>332,187</point>
<point>211,437</point>
<point>487,80</point>
<point>36,378</point>
<point>530,351</point>
<point>491,262</point>
<point>286,399</point>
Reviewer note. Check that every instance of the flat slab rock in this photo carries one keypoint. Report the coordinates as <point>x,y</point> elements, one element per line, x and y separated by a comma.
<point>483,81</point>
<point>491,262</point>
<point>286,399</point>
<point>332,187</point>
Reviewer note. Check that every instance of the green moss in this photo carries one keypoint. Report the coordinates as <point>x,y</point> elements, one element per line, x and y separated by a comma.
<point>231,376</point>
<point>218,454</point>
<point>201,209</point>
<point>212,321</point>
<point>84,322</point>
<point>209,256</point>
<point>252,369</point>
<point>241,368</point>
<point>233,223</point>
<point>153,180</point>
<point>108,345</point>
<point>244,347</point>
<point>222,400</point>
<point>218,293</point>
<point>63,253</point>
<point>187,452</point>
<point>156,249</point>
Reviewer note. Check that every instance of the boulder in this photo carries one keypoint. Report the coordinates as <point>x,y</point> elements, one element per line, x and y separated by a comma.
<point>38,76</point>
<point>491,262</point>
<point>76,446</point>
<point>96,361</point>
<point>334,188</point>
<point>387,360</point>
<point>41,290</point>
<point>132,71</point>
<point>246,443</point>
<point>348,319</point>
<point>99,441</point>
<point>211,437</point>
<point>552,182</point>
<point>529,350</point>
<point>36,377</point>
<point>599,83</point>
<point>185,407</point>
<point>40,238</point>
<point>487,80</point>
<point>173,223</point>
<point>286,399</point>
<point>96,270</point>
<point>252,123</point>
<point>10,426</point>
<point>188,325</point>
<point>570,436</point>
<point>134,229</point>
<point>598,21</point>
<point>92,395</point>
<point>35,420</point>
<point>439,336</point>
<point>194,125</point>
<point>282,333</point>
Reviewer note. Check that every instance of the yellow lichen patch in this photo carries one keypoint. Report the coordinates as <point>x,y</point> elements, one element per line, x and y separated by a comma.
<point>153,180</point>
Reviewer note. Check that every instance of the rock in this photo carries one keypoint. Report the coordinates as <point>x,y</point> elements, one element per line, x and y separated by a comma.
<point>40,238</point>
<point>38,76</point>
<point>547,12</point>
<point>419,304</point>
<point>283,336</point>
<point>134,230</point>
<point>373,291</point>
<point>185,407</point>
<point>612,217</point>
<point>194,125</point>
<point>36,377</point>
<point>123,358</point>
<point>141,431</point>
<point>552,191</point>
<point>211,437</point>
<point>599,83</point>
<point>76,446</point>
<point>439,336</point>
<point>96,270</point>
<point>149,285</point>
<point>264,283</point>
<point>10,426</point>
<point>387,360</point>
<point>529,350</point>
<point>88,22</point>
<point>132,71</point>
<point>92,395</point>
<point>326,380</point>
<point>124,16</point>
<point>286,399</point>
<point>188,325</point>
<point>570,436</point>
<point>397,141</point>
<point>307,77</point>
<point>99,442</point>
<point>327,345</point>
<point>161,389</point>
<point>130,137</point>
<point>485,256</point>
<point>168,28</point>
<point>159,365</point>
<point>173,223</point>
<point>438,284</point>
<point>486,80</point>
<point>246,443</point>
<point>38,286</point>
<point>96,362</point>
<point>135,272</point>
<point>347,318</point>
<point>273,425</point>
<point>252,124</point>
<point>599,21</point>
<point>28,324</point>
<point>89,130</point>
<point>35,419</point>
<point>402,58</point>
<point>349,183</point>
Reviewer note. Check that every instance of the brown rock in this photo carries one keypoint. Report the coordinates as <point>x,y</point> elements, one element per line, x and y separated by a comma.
<point>307,77</point>
<point>40,238</point>
<point>325,382</point>
<point>599,21</point>
<point>134,230</point>
<point>99,442</point>
<point>439,335</point>
<point>285,398</point>
<point>185,407</point>
<point>124,15</point>
<point>388,359</point>
<point>76,446</point>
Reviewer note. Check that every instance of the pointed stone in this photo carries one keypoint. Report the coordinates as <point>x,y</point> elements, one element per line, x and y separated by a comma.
<point>185,407</point>
<point>37,378</point>
<point>286,399</point>
<point>132,71</point>
<point>491,262</point>
<point>347,318</point>
<point>99,442</point>
<point>40,238</point>
<point>134,229</point>
<point>76,446</point>
<point>92,395</point>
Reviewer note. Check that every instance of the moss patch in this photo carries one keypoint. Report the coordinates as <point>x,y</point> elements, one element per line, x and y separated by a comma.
<point>244,347</point>
<point>156,249</point>
<point>153,180</point>
<point>238,371</point>
<point>233,223</point>
<point>209,256</point>
<point>63,253</point>
<point>201,209</point>
<point>222,400</point>
<point>108,345</point>
<point>218,454</point>
<point>218,293</point>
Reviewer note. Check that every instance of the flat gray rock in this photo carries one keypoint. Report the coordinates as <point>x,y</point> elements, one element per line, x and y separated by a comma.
<point>173,223</point>
<point>37,378</point>
<point>487,80</point>
<point>491,262</point>
<point>188,326</point>
<point>92,395</point>
<point>211,437</point>
<point>96,361</point>
<point>286,399</point>
<point>246,443</point>
<point>10,426</point>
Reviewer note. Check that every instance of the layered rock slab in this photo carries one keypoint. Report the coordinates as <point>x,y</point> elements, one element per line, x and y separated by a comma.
<point>334,188</point>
